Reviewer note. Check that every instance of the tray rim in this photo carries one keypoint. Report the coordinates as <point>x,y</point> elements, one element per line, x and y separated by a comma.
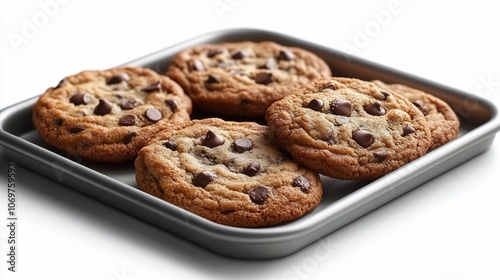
<point>262,236</point>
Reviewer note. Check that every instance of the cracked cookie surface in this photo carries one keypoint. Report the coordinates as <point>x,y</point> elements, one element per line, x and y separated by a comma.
<point>108,115</point>
<point>227,172</point>
<point>349,129</point>
<point>243,78</point>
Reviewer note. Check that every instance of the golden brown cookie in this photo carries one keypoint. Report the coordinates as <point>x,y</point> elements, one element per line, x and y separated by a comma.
<point>109,115</point>
<point>349,129</point>
<point>441,119</point>
<point>242,79</point>
<point>227,172</point>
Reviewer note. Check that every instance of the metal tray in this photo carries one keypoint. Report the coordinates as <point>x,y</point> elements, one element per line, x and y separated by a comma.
<point>343,201</point>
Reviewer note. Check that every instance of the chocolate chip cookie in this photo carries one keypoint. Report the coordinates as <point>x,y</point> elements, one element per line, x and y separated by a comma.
<point>108,115</point>
<point>242,79</point>
<point>349,129</point>
<point>227,172</point>
<point>441,119</point>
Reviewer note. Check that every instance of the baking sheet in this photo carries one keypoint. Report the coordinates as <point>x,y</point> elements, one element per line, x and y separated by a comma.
<point>343,201</point>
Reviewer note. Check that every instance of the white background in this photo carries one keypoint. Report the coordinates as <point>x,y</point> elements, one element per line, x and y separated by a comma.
<point>447,229</point>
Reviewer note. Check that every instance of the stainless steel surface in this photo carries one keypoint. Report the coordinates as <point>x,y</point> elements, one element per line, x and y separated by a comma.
<point>343,201</point>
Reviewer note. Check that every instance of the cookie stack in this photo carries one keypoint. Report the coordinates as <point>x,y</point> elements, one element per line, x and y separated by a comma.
<point>184,129</point>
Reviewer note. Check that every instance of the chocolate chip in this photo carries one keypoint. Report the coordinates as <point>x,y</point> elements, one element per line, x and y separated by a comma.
<point>408,129</point>
<point>340,107</point>
<point>213,52</point>
<point>76,129</point>
<point>269,64</point>
<point>203,178</point>
<point>128,137</point>
<point>128,104</point>
<point>375,109</point>
<point>153,87</point>
<point>61,82</point>
<point>380,155</point>
<point>104,107</point>
<point>241,145</point>
<point>280,159</point>
<point>303,183</point>
<point>252,169</point>
<point>80,99</point>
<point>212,79</point>
<point>170,145</point>
<point>123,77</point>
<point>330,86</point>
<point>259,195</point>
<point>264,78</point>
<point>197,65</point>
<point>240,54</point>
<point>364,138</point>
<point>172,104</point>
<point>212,140</point>
<point>286,55</point>
<point>315,104</point>
<point>385,94</point>
<point>153,114</point>
<point>420,105</point>
<point>127,120</point>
